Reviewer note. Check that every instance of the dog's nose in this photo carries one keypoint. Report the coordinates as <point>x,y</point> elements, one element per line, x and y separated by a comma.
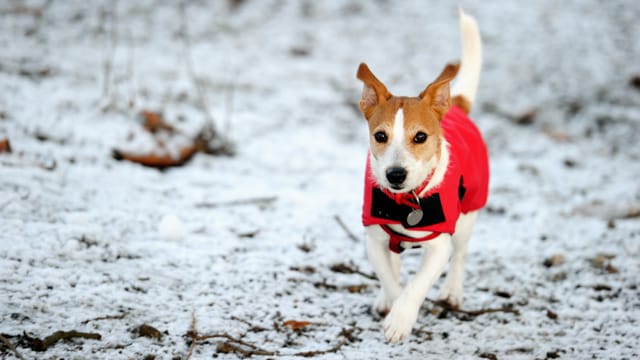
<point>396,175</point>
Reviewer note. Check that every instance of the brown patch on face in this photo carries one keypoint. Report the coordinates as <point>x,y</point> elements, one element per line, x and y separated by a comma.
<point>418,117</point>
<point>381,120</point>
<point>422,114</point>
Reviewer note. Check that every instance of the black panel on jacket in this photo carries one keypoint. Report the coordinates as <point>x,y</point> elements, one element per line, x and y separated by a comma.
<point>384,207</point>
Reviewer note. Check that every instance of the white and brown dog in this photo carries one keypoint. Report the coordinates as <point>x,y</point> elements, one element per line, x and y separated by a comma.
<point>427,176</point>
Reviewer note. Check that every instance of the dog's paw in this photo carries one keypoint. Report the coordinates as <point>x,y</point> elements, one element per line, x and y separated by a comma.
<point>382,304</point>
<point>452,296</point>
<point>397,325</point>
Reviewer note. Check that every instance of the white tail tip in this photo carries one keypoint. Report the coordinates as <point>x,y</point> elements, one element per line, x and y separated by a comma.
<point>469,75</point>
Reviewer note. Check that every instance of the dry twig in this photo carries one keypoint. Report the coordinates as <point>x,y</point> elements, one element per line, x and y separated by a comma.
<point>346,229</point>
<point>67,335</point>
<point>37,344</point>
<point>107,317</point>
<point>472,313</point>
<point>252,327</point>
<point>343,268</point>
<point>192,331</point>
<point>213,142</point>
<point>232,344</point>
<point>10,346</point>
<point>260,201</point>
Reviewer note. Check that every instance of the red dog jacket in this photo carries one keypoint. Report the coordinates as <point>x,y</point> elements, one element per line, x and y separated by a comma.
<point>464,188</point>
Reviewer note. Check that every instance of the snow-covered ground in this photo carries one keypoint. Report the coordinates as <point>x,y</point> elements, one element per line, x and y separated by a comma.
<point>80,247</point>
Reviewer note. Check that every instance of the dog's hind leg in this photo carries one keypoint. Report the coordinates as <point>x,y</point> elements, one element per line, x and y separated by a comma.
<point>452,289</point>
<point>386,266</point>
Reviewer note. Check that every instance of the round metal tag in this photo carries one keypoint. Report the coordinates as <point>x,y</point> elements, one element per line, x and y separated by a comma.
<point>414,217</point>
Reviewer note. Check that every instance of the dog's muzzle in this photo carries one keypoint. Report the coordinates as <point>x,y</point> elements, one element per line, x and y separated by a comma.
<point>396,176</point>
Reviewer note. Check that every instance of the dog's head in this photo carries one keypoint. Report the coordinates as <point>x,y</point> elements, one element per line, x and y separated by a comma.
<point>405,132</point>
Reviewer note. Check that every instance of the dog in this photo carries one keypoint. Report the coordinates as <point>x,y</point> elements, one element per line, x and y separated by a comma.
<point>427,175</point>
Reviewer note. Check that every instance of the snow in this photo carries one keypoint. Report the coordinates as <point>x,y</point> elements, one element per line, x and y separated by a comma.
<point>81,239</point>
<point>171,227</point>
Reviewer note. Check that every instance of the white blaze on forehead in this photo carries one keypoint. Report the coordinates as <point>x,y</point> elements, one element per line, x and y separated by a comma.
<point>398,127</point>
<point>394,154</point>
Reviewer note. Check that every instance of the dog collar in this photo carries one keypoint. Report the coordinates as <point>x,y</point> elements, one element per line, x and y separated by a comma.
<point>410,198</point>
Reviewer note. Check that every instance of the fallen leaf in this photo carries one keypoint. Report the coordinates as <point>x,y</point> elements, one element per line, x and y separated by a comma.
<point>208,141</point>
<point>149,331</point>
<point>296,325</point>
<point>554,260</point>
<point>157,161</point>
<point>154,122</point>
<point>526,118</point>
<point>357,289</point>
<point>611,269</point>
<point>601,260</point>
<point>631,214</point>
<point>5,146</point>
<point>559,276</point>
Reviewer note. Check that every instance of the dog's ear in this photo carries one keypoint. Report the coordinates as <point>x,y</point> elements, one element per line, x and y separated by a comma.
<point>374,92</point>
<point>438,93</point>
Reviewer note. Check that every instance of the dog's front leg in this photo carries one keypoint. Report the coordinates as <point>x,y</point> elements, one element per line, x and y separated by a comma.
<point>386,266</point>
<point>404,312</point>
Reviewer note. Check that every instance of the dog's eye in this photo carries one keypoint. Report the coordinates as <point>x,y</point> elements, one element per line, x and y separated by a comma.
<point>420,137</point>
<point>380,137</point>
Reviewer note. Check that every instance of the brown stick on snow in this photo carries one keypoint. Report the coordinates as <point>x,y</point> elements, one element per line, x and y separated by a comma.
<point>107,317</point>
<point>10,346</point>
<point>194,332</point>
<point>472,313</point>
<point>237,346</point>
<point>37,344</point>
<point>346,229</point>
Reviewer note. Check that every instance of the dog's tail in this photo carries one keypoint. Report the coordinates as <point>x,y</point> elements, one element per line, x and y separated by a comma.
<point>466,86</point>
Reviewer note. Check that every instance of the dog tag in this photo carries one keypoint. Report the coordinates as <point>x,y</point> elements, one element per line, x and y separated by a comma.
<point>414,217</point>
